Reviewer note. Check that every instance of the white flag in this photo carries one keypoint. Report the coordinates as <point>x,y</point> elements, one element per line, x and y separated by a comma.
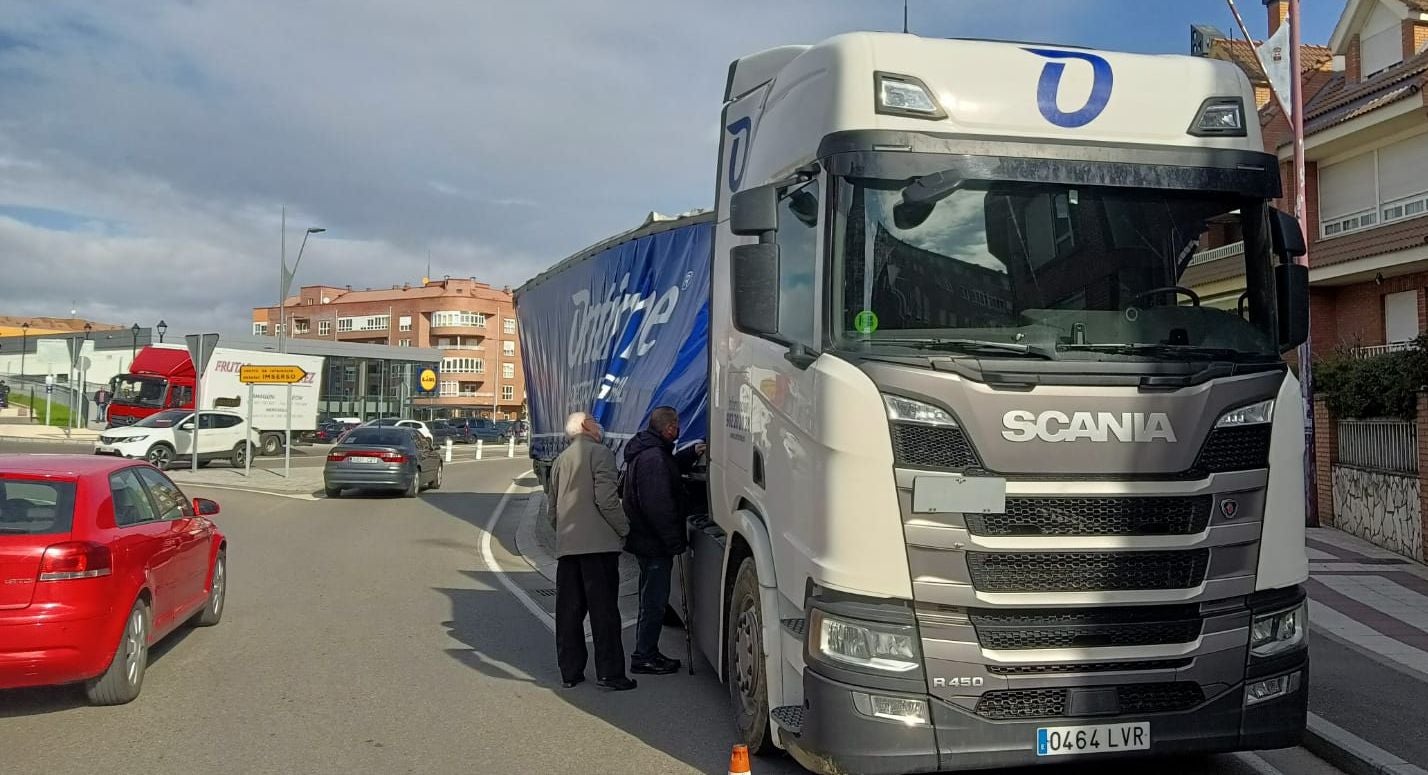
<point>1274,58</point>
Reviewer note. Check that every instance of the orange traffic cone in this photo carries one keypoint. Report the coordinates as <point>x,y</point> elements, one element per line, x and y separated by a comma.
<point>739,760</point>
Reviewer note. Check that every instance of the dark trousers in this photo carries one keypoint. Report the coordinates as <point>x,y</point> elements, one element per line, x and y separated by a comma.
<point>654,599</point>
<point>588,583</point>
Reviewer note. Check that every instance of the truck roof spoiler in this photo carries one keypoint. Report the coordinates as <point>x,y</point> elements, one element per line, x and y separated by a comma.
<point>755,70</point>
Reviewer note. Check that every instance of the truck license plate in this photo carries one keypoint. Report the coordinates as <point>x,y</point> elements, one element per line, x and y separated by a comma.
<point>1107,738</point>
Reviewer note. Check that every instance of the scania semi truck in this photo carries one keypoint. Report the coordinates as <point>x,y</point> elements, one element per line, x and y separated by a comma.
<point>987,485</point>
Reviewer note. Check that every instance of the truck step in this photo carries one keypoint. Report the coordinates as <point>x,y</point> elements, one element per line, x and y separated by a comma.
<point>795,627</point>
<point>789,718</point>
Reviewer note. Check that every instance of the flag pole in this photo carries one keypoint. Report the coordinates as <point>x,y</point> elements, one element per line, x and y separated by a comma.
<point>1306,370</point>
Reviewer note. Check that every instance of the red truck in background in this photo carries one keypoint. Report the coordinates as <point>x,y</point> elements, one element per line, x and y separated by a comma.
<point>162,377</point>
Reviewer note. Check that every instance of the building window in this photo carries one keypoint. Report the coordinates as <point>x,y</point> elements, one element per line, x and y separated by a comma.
<point>404,343</point>
<point>463,365</point>
<point>508,348</point>
<point>1382,186</point>
<point>279,329</point>
<point>509,325</point>
<point>458,318</point>
<point>449,388</point>
<point>344,324</point>
<point>1400,316</point>
<point>260,329</point>
<point>301,327</point>
<point>404,323</point>
<point>508,392</point>
<point>324,328</point>
<point>508,371</point>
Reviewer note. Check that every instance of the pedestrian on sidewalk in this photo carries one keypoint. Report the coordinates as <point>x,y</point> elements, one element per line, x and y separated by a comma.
<point>654,501</point>
<point>101,400</point>
<point>590,527</point>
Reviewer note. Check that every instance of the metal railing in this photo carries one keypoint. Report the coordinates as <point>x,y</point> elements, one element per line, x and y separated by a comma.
<point>1369,351</point>
<point>1382,445</point>
<point>1213,254</point>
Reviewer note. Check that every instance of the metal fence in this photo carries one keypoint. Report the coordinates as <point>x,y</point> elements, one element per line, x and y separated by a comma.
<point>1369,351</point>
<point>1382,445</point>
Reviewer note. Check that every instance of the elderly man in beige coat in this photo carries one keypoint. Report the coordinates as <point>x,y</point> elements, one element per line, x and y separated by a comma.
<point>590,529</point>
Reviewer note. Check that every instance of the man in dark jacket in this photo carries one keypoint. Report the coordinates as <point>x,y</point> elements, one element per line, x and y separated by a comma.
<point>654,501</point>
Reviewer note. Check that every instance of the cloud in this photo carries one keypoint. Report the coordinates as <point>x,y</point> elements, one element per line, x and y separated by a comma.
<point>498,136</point>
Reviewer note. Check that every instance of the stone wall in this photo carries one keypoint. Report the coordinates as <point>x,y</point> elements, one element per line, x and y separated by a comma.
<point>1379,507</point>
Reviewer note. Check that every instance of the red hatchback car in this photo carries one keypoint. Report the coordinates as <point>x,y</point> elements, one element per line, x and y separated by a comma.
<point>99,559</point>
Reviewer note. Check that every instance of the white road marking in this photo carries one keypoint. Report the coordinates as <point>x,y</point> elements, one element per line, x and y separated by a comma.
<point>1258,763</point>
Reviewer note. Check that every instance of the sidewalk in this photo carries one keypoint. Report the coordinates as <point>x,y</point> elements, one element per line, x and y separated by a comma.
<point>535,541</point>
<point>1368,616</point>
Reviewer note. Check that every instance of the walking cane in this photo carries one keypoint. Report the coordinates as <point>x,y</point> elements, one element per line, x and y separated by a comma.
<point>684,603</point>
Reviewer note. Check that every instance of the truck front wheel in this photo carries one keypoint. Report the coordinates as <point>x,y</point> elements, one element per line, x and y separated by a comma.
<point>744,668</point>
<point>272,444</point>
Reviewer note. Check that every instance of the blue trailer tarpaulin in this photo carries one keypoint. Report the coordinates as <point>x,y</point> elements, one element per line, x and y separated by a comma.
<point>618,330</point>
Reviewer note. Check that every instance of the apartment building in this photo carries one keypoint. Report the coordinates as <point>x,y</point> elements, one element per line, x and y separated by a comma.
<point>470,322</point>
<point>1366,183</point>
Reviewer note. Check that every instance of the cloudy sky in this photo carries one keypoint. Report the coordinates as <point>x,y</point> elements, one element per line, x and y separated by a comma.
<point>147,148</point>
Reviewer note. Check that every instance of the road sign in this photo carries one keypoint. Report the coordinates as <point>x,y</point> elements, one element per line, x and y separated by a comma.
<point>200,349</point>
<point>271,375</point>
<point>428,379</point>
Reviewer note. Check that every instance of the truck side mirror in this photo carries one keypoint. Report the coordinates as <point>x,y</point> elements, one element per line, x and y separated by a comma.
<point>754,211</point>
<point>1286,235</point>
<point>1291,290</point>
<point>754,275</point>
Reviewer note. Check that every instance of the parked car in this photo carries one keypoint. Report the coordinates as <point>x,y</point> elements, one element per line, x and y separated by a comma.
<point>397,422</point>
<point>441,430</point>
<point>514,429</point>
<point>386,458</point>
<point>100,558</point>
<point>329,431</point>
<point>471,429</point>
<point>165,437</point>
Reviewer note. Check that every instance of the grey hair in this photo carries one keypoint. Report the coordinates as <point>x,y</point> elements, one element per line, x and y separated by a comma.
<point>575,424</point>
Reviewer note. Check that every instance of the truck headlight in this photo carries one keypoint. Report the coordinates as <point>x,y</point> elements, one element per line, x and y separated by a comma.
<point>1279,632</point>
<point>1253,414</point>
<point>904,95</point>
<point>908,410</point>
<point>886,647</point>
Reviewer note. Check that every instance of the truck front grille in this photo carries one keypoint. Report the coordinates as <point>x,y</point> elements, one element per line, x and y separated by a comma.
<point>1035,516</point>
<point>1090,667</point>
<point>1095,628</point>
<point>1086,571</point>
<point>1235,449</point>
<point>1051,703</point>
<point>929,446</point>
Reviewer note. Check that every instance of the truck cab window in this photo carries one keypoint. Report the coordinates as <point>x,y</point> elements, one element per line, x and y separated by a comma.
<point>798,255</point>
<point>181,395</point>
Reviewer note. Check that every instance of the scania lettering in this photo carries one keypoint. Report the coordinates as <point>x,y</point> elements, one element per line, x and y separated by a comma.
<point>988,484</point>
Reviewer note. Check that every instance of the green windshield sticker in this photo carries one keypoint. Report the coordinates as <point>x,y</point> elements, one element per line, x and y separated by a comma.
<point>866,322</point>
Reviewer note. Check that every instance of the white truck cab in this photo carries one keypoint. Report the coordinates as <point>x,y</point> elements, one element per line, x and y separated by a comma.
<point>987,483</point>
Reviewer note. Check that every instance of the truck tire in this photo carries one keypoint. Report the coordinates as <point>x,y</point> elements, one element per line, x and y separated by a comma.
<point>272,444</point>
<point>160,456</point>
<point>744,661</point>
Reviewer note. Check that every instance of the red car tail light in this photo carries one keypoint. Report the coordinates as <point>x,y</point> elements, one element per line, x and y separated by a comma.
<point>75,560</point>
<point>336,457</point>
<point>393,457</point>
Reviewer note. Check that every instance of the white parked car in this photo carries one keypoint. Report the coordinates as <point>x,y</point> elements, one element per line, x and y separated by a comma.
<point>167,436</point>
<point>416,425</point>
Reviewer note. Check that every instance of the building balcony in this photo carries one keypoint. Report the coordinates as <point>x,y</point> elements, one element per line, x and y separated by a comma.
<point>1370,351</point>
<point>475,348</point>
<point>1215,254</point>
<point>460,331</point>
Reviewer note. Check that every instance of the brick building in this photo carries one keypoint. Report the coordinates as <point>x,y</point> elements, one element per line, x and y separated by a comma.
<point>1366,183</point>
<point>472,323</point>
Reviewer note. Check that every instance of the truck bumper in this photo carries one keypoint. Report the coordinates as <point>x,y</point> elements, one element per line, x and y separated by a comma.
<point>836,738</point>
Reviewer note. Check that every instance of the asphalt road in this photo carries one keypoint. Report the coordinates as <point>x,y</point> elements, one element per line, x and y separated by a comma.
<point>365,635</point>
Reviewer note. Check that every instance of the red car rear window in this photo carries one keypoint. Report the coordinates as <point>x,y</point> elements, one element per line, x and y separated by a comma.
<point>35,507</point>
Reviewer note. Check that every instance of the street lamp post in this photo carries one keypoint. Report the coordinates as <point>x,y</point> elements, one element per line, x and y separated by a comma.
<point>24,339</point>
<point>287,281</point>
<point>162,327</point>
<point>81,396</point>
<point>134,349</point>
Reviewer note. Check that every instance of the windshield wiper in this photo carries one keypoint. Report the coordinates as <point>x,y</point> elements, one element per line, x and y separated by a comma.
<point>1159,350</point>
<point>971,346</point>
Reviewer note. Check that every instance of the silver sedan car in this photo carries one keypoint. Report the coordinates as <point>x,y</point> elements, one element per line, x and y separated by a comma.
<point>382,458</point>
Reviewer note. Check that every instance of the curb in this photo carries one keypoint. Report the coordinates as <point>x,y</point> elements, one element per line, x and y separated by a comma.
<point>1353,754</point>
<point>34,440</point>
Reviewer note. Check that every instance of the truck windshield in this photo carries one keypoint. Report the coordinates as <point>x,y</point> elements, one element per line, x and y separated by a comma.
<point>1043,270</point>
<point>138,390</point>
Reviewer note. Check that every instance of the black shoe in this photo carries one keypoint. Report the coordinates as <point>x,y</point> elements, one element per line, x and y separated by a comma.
<point>659,664</point>
<point>571,684</point>
<point>621,684</point>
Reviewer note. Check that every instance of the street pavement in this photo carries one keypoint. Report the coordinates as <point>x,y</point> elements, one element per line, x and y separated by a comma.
<point>393,635</point>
